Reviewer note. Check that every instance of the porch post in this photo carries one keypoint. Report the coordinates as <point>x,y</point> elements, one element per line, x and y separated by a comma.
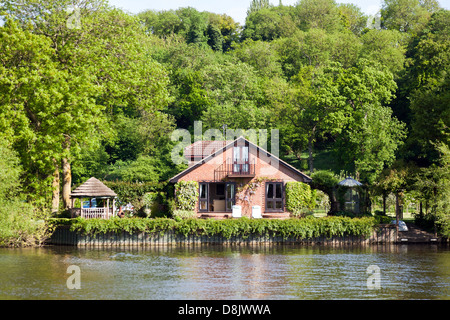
<point>107,208</point>
<point>81,207</point>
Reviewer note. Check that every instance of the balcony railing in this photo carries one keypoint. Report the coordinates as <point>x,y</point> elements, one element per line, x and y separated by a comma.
<point>232,169</point>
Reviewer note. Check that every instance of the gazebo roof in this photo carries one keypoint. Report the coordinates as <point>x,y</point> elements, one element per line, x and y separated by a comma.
<point>93,188</point>
<point>350,182</point>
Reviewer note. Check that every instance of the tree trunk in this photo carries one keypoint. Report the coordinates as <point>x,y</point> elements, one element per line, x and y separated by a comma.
<point>335,206</point>
<point>384,203</point>
<point>55,190</point>
<point>67,174</point>
<point>310,150</point>
<point>420,210</point>
<point>67,183</point>
<point>397,207</point>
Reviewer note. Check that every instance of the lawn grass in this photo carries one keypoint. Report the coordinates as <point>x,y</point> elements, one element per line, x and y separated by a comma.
<point>323,160</point>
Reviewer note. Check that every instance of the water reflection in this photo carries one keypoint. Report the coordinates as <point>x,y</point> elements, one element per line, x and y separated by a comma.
<point>219,272</point>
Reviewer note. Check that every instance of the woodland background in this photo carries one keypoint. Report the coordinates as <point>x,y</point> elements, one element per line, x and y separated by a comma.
<point>94,91</point>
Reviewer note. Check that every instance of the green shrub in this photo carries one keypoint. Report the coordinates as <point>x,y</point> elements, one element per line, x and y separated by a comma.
<point>186,195</point>
<point>21,225</point>
<point>299,198</point>
<point>184,214</point>
<point>381,219</point>
<point>115,224</point>
<point>305,228</point>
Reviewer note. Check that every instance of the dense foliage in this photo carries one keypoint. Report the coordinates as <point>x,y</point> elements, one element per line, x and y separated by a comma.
<point>296,228</point>
<point>21,224</point>
<point>95,91</point>
<point>186,195</point>
<point>140,195</point>
<point>299,198</point>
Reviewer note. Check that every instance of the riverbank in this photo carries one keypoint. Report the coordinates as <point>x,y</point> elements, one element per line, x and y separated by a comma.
<point>157,232</point>
<point>64,236</point>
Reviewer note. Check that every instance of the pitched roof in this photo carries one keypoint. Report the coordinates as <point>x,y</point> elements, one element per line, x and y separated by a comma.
<point>350,182</point>
<point>202,149</point>
<point>228,145</point>
<point>93,188</point>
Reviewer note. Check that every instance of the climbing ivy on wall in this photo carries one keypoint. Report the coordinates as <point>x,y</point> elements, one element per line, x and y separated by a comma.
<point>186,195</point>
<point>299,198</point>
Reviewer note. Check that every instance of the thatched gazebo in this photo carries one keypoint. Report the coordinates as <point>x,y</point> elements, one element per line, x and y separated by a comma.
<point>95,189</point>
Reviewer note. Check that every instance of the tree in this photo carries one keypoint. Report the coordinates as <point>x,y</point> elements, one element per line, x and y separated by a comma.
<point>186,63</point>
<point>262,25</point>
<point>326,181</point>
<point>10,170</point>
<point>257,5</point>
<point>261,56</point>
<point>163,23</point>
<point>192,98</point>
<point>193,25</point>
<point>371,135</point>
<point>322,14</point>
<point>219,31</point>
<point>279,93</point>
<point>215,38</point>
<point>433,184</point>
<point>395,179</point>
<point>371,141</point>
<point>408,16</point>
<point>103,66</point>
<point>426,82</point>
<point>229,29</point>
<point>386,47</point>
<point>34,93</point>
<point>352,17</point>
<point>316,48</point>
<point>269,23</point>
<point>431,118</point>
<point>235,91</point>
<point>316,107</point>
<point>345,48</point>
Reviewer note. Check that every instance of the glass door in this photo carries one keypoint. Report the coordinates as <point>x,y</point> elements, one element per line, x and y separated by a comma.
<point>203,197</point>
<point>236,158</point>
<point>230,192</point>
<point>241,163</point>
<point>274,196</point>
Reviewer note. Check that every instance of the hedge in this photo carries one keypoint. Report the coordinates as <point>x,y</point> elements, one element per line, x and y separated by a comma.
<point>186,195</point>
<point>299,197</point>
<point>305,228</point>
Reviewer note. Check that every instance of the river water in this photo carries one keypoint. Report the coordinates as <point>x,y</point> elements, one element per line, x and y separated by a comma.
<point>224,273</point>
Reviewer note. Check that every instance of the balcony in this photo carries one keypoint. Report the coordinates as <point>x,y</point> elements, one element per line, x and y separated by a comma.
<point>230,169</point>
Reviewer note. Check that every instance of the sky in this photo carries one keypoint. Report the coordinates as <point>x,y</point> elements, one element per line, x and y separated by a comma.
<point>237,9</point>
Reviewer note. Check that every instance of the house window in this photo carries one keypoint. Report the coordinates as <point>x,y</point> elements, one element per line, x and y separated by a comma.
<point>274,196</point>
<point>203,197</point>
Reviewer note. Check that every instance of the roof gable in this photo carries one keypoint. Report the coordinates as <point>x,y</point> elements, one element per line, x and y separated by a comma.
<point>230,144</point>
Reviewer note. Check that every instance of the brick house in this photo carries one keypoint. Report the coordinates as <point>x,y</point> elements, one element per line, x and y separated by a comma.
<point>238,178</point>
